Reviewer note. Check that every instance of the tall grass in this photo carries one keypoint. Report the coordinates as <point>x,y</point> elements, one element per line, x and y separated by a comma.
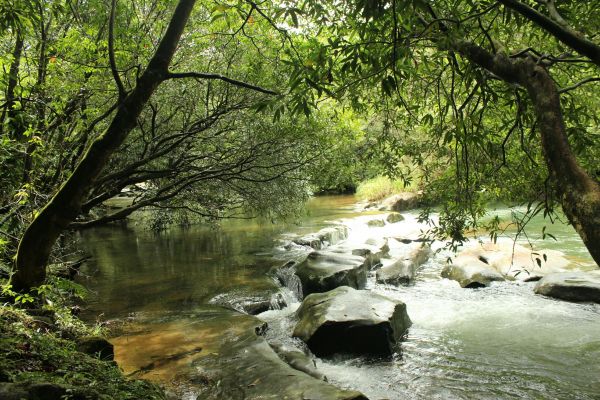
<point>379,188</point>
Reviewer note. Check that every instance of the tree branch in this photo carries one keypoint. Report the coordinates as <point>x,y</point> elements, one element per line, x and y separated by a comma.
<point>209,76</point>
<point>576,85</point>
<point>565,35</point>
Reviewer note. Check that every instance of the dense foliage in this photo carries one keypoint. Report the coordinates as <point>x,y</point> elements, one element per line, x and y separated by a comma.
<point>230,108</point>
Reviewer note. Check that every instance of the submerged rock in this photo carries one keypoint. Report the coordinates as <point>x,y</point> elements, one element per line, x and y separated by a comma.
<point>247,368</point>
<point>326,270</point>
<point>471,272</point>
<point>298,360</point>
<point>250,301</point>
<point>351,321</point>
<point>571,286</point>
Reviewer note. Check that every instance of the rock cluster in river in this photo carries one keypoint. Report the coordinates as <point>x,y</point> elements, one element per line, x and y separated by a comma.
<point>480,264</point>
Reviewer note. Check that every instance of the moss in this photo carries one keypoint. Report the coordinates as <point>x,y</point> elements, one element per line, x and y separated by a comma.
<point>32,349</point>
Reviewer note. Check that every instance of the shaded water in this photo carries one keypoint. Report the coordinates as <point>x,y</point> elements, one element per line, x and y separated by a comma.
<point>497,342</point>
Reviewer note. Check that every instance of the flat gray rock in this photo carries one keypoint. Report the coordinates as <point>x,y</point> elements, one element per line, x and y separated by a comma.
<point>324,270</point>
<point>571,286</point>
<point>345,320</point>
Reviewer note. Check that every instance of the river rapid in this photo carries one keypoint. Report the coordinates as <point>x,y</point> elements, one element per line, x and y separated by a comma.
<point>500,342</point>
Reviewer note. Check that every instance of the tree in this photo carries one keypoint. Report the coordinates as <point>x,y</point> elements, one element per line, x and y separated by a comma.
<point>177,137</point>
<point>463,70</point>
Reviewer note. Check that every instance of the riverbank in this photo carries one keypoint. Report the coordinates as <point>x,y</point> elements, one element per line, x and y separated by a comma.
<point>52,356</point>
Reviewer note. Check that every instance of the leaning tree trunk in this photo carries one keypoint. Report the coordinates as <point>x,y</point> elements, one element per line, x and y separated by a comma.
<point>579,193</point>
<point>39,238</point>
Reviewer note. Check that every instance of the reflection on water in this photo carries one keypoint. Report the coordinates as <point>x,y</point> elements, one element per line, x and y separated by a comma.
<point>497,342</point>
<point>133,269</point>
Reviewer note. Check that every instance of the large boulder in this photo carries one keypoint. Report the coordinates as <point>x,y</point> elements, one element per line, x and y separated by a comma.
<point>351,321</point>
<point>470,272</point>
<point>571,286</point>
<point>403,271</point>
<point>325,270</point>
<point>401,202</point>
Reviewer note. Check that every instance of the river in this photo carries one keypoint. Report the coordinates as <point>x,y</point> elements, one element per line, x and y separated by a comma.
<point>500,342</point>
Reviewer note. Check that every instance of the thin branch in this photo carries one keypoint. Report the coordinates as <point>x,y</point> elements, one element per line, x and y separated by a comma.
<point>580,83</point>
<point>210,76</point>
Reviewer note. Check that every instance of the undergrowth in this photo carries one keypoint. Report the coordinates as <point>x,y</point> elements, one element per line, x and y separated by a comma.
<point>38,344</point>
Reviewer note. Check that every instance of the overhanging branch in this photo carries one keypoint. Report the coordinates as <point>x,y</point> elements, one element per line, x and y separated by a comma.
<point>210,76</point>
<point>566,35</point>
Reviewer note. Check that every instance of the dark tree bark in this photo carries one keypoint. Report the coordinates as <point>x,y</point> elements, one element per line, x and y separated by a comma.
<point>39,238</point>
<point>579,192</point>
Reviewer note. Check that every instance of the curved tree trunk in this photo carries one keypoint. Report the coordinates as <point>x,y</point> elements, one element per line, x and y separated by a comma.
<point>579,192</point>
<point>39,238</point>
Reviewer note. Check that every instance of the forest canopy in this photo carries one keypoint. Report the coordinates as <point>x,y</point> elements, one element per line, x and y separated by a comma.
<point>211,109</point>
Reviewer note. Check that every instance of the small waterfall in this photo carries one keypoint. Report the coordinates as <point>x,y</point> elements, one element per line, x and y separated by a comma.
<point>283,298</point>
<point>286,275</point>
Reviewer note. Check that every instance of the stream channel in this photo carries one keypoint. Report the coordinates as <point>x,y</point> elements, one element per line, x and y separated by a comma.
<point>499,342</point>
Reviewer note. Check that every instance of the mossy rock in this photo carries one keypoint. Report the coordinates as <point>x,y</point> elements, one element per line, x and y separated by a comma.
<point>394,217</point>
<point>96,346</point>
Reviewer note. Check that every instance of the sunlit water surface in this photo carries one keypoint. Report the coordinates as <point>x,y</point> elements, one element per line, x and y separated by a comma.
<point>500,342</point>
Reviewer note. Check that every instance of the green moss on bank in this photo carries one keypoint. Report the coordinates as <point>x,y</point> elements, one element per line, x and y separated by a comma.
<point>35,350</point>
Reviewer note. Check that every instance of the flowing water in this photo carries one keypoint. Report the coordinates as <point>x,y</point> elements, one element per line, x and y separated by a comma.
<point>499,342</point>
